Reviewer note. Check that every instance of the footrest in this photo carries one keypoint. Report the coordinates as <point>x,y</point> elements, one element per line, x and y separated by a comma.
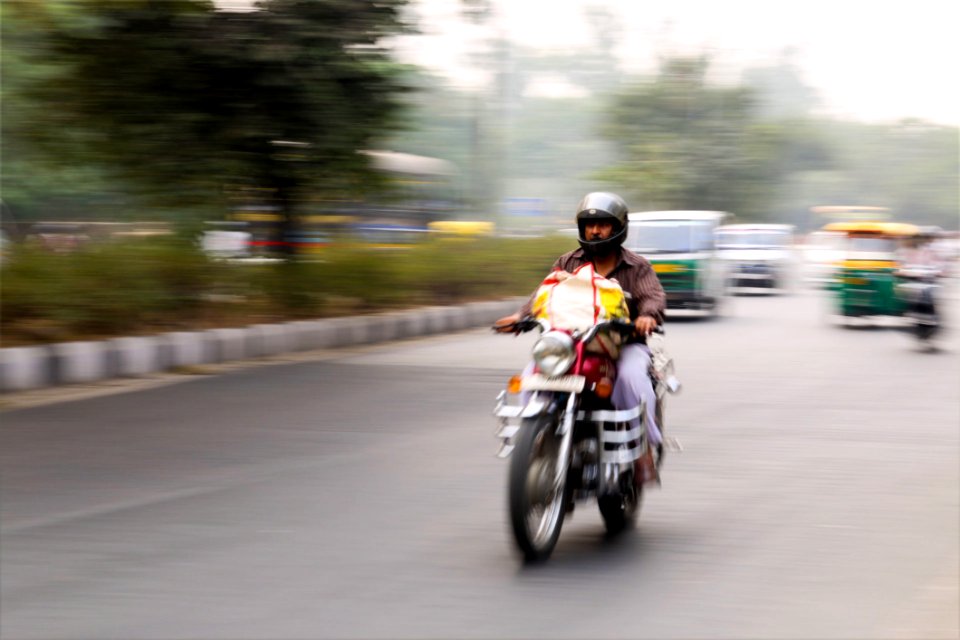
<point>672,444</point>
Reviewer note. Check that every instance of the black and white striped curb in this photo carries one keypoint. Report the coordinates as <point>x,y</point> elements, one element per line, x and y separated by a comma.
<point>23,368</point>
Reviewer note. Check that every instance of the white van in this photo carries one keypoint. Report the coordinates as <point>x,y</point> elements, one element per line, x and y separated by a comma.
<point>759,256</point>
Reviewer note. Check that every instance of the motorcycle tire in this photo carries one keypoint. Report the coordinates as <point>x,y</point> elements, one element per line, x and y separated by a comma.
<point>925,331</point>
<point>536,507</point>
<point>927,324</point>
<point>619,511</point>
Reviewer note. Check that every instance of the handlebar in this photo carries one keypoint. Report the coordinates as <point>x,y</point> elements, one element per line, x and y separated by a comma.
<point>529,323</point>
<point>624,327</point>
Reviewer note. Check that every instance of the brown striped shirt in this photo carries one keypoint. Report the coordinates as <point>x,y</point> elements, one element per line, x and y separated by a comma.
<point>635,276</point>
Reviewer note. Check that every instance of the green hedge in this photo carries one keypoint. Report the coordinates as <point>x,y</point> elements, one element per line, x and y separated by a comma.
<point>160,284</point>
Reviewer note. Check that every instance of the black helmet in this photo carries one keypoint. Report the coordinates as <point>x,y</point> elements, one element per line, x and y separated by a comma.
<point>602,206</point>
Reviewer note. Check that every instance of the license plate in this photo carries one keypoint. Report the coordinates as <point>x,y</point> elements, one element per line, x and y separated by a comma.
<point>538,382</point>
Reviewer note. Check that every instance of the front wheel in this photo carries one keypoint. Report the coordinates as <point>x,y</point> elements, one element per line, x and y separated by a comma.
<point>537,504</point>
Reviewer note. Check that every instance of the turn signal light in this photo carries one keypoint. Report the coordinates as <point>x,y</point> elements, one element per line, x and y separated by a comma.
<point>604,388</point>
<point>513,385</point>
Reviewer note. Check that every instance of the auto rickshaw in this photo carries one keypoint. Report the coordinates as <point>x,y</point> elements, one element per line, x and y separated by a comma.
<point>864,282</point>
<point>681,248</point>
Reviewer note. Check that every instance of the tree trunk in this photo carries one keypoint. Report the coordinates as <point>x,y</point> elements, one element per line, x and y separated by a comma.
<point>289,223</point>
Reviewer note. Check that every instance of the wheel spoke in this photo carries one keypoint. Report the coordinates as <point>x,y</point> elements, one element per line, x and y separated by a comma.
<point>544,505</point>
<point>537,502</point>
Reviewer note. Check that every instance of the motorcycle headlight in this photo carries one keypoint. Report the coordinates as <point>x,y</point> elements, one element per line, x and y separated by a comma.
<point>553,353</point>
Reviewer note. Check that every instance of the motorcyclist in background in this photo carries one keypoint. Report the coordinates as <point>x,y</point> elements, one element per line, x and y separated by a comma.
<point>918,273</point>
<point>602,225</point>
<point>918,252</point>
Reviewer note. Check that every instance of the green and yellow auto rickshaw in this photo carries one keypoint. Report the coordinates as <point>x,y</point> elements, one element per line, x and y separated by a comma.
<point>864,281</point>
<point>681,247</point>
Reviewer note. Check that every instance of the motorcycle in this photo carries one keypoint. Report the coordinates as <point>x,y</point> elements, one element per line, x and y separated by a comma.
<point>917,287</point>
<point>566,440</point>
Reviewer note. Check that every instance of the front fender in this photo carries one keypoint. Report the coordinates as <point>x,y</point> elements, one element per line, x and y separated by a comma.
<point>538,404</point>
<point>510,417</point>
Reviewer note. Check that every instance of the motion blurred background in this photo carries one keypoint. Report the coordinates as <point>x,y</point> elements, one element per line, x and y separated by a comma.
<point>277,129</point>
<point>172,165</point>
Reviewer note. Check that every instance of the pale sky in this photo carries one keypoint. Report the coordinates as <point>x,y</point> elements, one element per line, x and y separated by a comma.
<point>869,60</point>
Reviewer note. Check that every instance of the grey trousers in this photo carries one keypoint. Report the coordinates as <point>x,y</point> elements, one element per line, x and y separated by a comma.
<point>633,385</point>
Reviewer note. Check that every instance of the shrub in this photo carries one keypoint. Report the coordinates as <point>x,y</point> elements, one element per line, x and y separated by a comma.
<point>155,284</point>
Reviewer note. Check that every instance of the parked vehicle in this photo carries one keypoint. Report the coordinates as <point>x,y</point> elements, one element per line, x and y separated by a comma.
<point>759,257</point>
<point>682,249</point>
<point>225,244</point>
<point>567,442</point>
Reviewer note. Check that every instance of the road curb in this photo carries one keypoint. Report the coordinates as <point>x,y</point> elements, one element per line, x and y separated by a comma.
<point>34,367</point>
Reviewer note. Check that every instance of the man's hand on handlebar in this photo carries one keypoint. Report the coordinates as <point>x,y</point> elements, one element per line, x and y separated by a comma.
<point>507,324</point>
<point>645,325</point>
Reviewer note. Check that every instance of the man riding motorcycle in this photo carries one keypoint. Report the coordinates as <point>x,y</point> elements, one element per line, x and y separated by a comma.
<point>917,281</point>
<point>602,224</point>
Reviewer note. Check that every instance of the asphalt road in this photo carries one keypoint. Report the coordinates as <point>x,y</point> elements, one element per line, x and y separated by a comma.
<point>356,494</point>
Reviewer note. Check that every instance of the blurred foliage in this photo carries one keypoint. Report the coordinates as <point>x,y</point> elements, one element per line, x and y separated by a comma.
<point>102,289</point>
<point>686,144</point>
<point>676,139</point>
<point>758,151</point>
<point>161,284</point>
<point>780,94</point>
<point>513,138</point>
<point>34,185</point>
<point>125,109</point>
<point>187,105</point>
<point>911,167</point>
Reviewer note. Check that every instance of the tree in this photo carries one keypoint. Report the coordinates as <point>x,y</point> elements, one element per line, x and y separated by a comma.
<point>194,105</point>
<point>34,186</point>
<point>910,167</point>
<point>687,145</point>
<point>780,89</point>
